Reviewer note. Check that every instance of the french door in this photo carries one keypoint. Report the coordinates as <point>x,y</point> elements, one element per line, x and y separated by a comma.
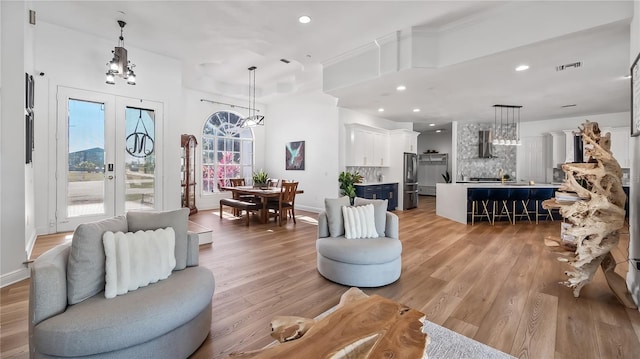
<point>107,154</point>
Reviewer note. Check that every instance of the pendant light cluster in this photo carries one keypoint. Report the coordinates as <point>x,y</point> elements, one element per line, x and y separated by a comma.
<point>120,65</point>
<point>507,132</point>
<point>253,119</point>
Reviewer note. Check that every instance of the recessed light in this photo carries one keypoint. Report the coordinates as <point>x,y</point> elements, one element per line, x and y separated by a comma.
<point>401,88</point>
<point>522,68</point>
<point>438,131</point>
<point>432,124</point>
<point>416,110</point>
<point>304,19</point>
<point>381,109</point>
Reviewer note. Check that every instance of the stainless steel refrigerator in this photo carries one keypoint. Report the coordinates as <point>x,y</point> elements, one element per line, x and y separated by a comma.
<point>410,188</point>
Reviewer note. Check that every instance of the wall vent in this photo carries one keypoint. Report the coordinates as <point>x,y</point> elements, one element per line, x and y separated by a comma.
<point>568,66</point>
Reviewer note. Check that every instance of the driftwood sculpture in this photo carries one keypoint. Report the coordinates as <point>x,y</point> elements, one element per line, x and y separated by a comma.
<point>598,214</point>
<point>361,327</point>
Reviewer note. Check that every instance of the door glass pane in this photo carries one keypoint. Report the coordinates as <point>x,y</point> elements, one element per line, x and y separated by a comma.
<point>85,176</point>
<point>140,159</point>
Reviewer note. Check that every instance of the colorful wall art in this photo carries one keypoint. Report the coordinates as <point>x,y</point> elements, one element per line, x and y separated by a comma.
<point>294,153</point>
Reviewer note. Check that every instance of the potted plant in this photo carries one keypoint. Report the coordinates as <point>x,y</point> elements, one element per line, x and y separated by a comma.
<point>347,183</point>
<point>260,178</point>
<point>446,177</point>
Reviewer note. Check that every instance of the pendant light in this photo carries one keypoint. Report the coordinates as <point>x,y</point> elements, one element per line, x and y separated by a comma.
<point>508,134</point>
<point>253,119</point>
<point>119,64</point>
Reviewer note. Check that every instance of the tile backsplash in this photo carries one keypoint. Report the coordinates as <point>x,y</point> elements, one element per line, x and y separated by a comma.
<point>470,165</point>
<point>369,174</point>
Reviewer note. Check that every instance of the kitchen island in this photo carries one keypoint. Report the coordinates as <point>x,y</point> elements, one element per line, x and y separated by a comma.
<point>451,198</point>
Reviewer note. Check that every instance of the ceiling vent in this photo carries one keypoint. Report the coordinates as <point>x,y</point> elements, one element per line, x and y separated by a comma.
<point>568,66</point>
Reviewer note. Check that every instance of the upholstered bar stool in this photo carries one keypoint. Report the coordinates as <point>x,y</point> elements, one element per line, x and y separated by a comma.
<point>538,195</point>
<point>500,197</point>
<point>519,195</point>
<point>479,197</point>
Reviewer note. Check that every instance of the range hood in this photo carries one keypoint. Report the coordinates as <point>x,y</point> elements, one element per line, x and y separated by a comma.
<point>485,148</point>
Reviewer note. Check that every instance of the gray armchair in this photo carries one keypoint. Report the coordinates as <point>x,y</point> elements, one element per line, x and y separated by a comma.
<point>370,262</point>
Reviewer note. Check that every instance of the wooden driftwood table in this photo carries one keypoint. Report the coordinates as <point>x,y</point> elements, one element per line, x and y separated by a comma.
<point>361,327</point>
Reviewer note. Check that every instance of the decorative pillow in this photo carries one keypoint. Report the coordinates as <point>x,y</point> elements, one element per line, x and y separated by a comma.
<point>333,207</point>
<point>380,212</point>
<point>359,222</point>
<point>133,260</point>
<point>177,219</point>
<point>85,268</point>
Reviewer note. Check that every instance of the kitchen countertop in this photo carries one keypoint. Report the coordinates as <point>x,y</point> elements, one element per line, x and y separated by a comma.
<point>373,183</point>
<point>499,184</point>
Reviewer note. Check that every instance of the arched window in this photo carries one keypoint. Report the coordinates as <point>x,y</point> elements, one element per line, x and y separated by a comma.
<point>227,151</point>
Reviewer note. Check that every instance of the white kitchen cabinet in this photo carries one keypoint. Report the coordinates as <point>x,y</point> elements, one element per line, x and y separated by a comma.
<point>366,146</point>
<point>406,140</point>
<point>531,159</point>
<point>558,149</point>
<point>619,144</point>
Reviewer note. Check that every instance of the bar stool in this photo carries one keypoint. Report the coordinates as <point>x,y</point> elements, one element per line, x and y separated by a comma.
<point>522,195</point>
<point>501,196</point>
<point>538,195</point>
<point>478,196</point>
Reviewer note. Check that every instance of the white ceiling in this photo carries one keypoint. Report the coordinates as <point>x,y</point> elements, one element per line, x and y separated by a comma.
<point>217,41</point>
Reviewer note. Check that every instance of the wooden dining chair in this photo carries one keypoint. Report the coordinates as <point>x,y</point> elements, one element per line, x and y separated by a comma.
<point>286,202</point>
<point>273,182</point>
<point>237,182</point>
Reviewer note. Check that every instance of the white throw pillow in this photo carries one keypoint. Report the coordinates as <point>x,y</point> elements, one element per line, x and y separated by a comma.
<point>134,260</point>
<point>359,222</point>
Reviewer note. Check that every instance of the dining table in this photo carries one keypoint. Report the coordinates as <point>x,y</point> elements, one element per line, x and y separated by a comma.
<point>264,193</point>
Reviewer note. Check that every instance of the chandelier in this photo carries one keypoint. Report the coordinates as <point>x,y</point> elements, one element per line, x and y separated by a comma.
<point>508,131</point>
<point>120,65</point>
<point>253,119</point>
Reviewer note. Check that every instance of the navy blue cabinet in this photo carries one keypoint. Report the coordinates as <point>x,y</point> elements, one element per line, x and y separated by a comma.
<point>388,191</point>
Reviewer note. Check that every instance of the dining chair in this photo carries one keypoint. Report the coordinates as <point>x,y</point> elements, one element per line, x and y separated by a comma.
<point>286,202</point>
<point>273,182</point>
<point>236,182</point>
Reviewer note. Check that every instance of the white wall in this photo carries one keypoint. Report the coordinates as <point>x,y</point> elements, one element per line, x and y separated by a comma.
<point>311,117</point>
<point>633,276</point>
<point>540,128</point>
<point>78,60</point>
<point>14,175</point>
<point>196,113</point>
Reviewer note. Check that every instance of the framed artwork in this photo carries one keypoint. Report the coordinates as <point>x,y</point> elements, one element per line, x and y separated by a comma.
<point>635,97</point>
<point>294,155</point>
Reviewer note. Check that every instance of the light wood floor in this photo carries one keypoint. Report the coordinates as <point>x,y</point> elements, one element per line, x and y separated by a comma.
<point>498,285</point>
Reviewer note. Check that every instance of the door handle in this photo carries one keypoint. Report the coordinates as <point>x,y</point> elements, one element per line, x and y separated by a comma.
<point>110,177</point>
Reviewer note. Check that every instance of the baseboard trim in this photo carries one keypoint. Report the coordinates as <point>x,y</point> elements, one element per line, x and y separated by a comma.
<point>309,209</point>
<point>13,277</point>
